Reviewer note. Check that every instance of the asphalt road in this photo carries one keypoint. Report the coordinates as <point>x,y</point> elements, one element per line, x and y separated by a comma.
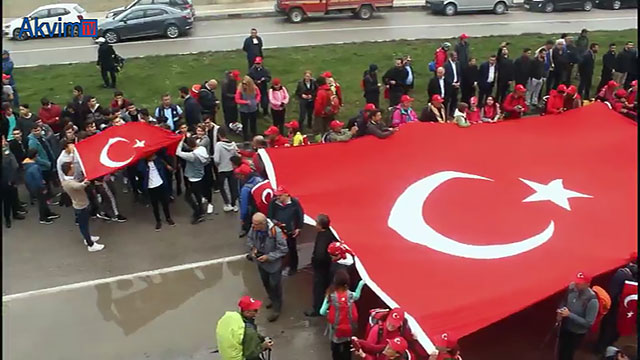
<point>277,32</point>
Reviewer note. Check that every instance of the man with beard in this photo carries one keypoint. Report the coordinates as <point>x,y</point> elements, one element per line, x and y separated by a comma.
<point>521,66</point>
<point>506,73</point>
<point>585,69</point>
<point>608,66</point>
<point>470,74</point>
<point>395,79</point>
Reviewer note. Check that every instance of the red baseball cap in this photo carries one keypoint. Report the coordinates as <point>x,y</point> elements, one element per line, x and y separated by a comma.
<point>327,74</point>
<point>6,77</point>
<point>464,36</point>
<point>621,93</point>
<point>582,278</point>
<point>235,74</point>
<point>634,83</point>
<point>369,107</point>
<point>272,130</point>
<point>396,317</point>
<point>521,88</point>
<point>243,169</point>
<point>572,90</point>
<point>280,191</point>
<point>293,124</point>
<point>276,81</point>
<point>335,124</point>
<point>248,303</point>
<point>612,83</point>
<point>195,89</point>
<point>406,98</point>
<point>562,88</point>
<point>437,98</point>
<point>258,60</point>
<point>398,344</point>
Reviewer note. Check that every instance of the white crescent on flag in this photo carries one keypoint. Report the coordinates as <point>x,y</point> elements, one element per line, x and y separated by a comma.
<point>104,154</point>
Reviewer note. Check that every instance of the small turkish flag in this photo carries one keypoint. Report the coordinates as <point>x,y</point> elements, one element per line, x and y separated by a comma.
<point>628,308</point>
<point>463,227</point>
<point>120,146</point>
<point>262,194</point>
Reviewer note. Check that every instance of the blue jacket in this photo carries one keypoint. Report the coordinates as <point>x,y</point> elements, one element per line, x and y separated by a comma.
<point>33,177</point>
<point>161,166</point>
<point>7,68</point>
<point>245,194</point>
<point>43,158</point>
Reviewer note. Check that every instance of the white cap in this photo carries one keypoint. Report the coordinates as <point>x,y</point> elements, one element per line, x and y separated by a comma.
<point>611,351</point>
<point>100,40</point>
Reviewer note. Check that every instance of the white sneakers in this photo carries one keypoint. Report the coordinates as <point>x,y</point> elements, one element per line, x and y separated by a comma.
<point>95,247</point>
<point>210,209</point>
<point>227,208</point>
<point>236,208</point>
<point>95,238</point>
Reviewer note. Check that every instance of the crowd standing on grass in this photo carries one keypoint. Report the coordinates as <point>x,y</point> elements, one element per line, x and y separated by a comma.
<point>38,151</point>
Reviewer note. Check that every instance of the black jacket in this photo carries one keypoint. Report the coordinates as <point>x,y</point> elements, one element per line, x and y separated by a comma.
<point>484,76</point>
<point>207,100</point>
<point>587,64</point>
<point>448,71</point>
<point>625,61</point>
<point>470,75</point>
<point>536,69</point>
<point>399,75</point>
<point>320,257</point>
<point>434,87</point>
<point>106,55</point>
<point>608,62</point>
<point>560,61</point>
<point>462,49</point>
<point>252,50</point>
<point>506,70</point>
<point>370,82</point>
<point>18,149</point>
<point>302,88</point>
<point>258,73</point>
<point>228,92</point>
<point>379,130</point>
<point>192,111</point>
<point>521,69</point>
<point>291,214</point>
<point>25,124</point>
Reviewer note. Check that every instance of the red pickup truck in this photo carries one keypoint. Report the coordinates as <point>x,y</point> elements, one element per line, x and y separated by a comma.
<point>297,10</point>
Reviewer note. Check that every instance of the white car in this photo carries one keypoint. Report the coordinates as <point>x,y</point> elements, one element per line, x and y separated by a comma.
<point>54,13</point>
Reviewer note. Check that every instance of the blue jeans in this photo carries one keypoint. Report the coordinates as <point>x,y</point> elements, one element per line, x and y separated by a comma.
<point>82,216</point>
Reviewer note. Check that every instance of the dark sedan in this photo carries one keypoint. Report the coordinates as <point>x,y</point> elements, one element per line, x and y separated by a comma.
<point>554,5</point>
<point>146,20</point>
<point>616,4</point>
<point>178,4</point>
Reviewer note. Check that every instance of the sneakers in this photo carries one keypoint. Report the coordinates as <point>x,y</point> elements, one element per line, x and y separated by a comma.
<point>95,238</point>
<point>119,218</point>
<point>197,220</point>
<point>274,316</point>
<point>46,222</point>
<point>171,222</point>
<point>53,216</point>
<point>242,234</point>
<point>236,208</point>
<point>95,247</point>
<point>210,209</point>
<point>158,226</point>
<point>203,201</point>
<point>227,208</point>
<point>103,216</point>
<point>18,216</point>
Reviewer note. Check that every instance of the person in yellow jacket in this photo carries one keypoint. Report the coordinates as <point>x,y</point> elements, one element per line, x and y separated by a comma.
<point>237,334</point>
<point>295,137</point>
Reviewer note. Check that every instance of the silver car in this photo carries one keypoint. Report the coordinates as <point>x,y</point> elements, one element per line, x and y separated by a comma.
<point>146,20</point>
<point>452,7</point>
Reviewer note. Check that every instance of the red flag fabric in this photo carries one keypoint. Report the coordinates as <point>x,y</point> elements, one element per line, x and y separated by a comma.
<point>462,227</point>
<point>262,194</point>
<point>628,309</point>
<point>120,146</point>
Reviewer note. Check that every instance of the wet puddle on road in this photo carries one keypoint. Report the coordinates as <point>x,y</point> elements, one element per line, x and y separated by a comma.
<point>164,316</point>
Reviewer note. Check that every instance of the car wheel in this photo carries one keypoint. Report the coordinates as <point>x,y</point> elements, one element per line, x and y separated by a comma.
<point>450,9</point>
<point>549,7</point>
<point>587,5</point>
<point>172,31</point>
<point>16,35</point>
<point>111,36</point>
<point>500,8</point>
<point>616,4</point>
<point>365,12</point>
<point>296,15</point>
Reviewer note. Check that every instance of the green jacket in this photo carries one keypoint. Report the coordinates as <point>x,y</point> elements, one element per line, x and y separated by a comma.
<point>237,337</point>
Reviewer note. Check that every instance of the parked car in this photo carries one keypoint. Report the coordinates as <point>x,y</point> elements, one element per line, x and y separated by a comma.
<point>553,5</point>
<point>146,20</point>
<point>45,14</point>
<point>178,4</point>
<point>297,11</point>
<point>452,7</point>
<point>616,4</point>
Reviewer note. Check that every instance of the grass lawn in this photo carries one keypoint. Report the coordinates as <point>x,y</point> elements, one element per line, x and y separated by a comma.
<point>145,79</point>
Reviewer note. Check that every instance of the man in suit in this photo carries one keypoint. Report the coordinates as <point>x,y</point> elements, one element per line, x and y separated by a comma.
<point>438,85</point>
<point>408,83</point>
<point>585,69</point>
<point>192,109</point>
<point>608,66</point>
<point>453,76</point>
<point>488,75</point>
<point>506,73</point>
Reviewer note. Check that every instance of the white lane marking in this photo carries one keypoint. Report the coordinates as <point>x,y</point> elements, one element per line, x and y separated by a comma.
<point>345,29</point>
<point>78,285</point>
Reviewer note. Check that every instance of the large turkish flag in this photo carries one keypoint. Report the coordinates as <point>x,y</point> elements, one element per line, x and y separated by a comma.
<point>120,146</point>
<point>463,227</point>
<point>628,309</point>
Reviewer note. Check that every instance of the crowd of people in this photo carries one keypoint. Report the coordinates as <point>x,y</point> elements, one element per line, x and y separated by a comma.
<point>38,151</point>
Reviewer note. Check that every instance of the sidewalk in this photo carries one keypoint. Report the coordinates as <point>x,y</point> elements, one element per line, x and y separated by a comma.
<point>260,9</point>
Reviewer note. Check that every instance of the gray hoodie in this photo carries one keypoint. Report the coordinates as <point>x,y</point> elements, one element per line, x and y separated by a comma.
<point>224,150</point>
<point>196,160</point>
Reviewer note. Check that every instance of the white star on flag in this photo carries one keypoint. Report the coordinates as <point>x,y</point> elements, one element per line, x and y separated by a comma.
<point>554,191</point>
<point>629,314</point>
<point>139,143</point>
